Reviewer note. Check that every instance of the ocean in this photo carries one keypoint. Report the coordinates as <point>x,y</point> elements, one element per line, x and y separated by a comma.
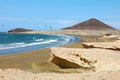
<point>14,43</point>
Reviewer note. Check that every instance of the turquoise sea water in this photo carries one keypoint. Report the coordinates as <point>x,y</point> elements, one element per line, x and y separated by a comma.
<point>12,43</point>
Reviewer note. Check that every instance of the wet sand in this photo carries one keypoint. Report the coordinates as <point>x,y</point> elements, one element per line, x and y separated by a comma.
<point>11,64</point>
<point>24,60</point>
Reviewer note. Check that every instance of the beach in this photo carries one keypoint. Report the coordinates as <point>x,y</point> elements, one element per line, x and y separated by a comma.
<point>21,65</point>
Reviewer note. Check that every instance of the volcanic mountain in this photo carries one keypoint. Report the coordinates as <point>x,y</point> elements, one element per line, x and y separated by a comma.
<point>18,30</point>
<point>91,24</point>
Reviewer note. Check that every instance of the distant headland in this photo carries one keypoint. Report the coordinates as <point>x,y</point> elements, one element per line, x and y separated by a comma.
<point>19,30</point>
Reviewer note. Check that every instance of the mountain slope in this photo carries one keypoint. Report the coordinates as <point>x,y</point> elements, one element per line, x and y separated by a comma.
<point>91,24</point>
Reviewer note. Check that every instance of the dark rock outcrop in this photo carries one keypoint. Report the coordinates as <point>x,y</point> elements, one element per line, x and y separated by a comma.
<point>17,30</point>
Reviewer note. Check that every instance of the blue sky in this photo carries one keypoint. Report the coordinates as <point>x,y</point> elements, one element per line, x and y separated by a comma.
<point>40,14</point>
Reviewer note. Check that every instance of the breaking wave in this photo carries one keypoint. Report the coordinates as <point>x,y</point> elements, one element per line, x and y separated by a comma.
<point>12,43</point>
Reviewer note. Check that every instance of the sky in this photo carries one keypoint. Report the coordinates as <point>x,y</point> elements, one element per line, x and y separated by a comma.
<point>43,14</point>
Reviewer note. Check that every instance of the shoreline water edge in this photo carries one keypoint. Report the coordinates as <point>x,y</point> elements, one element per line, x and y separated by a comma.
<point>33,42</point>
<point>103,63</point>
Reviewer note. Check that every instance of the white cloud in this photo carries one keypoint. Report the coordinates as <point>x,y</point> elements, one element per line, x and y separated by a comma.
<point>60,22</point>
<point>12,18</point>
<point>114,22</point>
<point>36,22</point>
<point>64,21</point>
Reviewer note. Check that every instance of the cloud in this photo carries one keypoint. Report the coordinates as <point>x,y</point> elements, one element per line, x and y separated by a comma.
<point>60,22</point>
<point>115,23</point>
<point>36,22</point>
<point>64,21</point>
<point>12,18</point>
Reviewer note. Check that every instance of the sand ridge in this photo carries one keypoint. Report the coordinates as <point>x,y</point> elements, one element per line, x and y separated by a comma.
<point>107,67</point>
<point>107,60</point>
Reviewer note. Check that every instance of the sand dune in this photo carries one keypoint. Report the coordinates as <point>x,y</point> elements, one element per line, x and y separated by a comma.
<point>107,60</point>
<point>107,67</point>
<point>15,74</point>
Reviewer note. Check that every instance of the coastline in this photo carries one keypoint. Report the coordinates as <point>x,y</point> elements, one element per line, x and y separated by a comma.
<point>36,43</point>
<point>23,56</point>
<point>25,60</point>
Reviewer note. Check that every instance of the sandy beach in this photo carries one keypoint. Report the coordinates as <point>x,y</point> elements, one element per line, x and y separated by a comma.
<point>26,65</point>
<point>59,39</point>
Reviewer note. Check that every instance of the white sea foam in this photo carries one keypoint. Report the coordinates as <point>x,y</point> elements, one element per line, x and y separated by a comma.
<point>68,38</point>
<point>34,43</point>
<point>10,46</point>
<point>39,40</point>
<point>19,45</point>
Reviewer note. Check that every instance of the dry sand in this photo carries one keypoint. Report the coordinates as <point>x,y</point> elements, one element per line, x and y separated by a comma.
<point>15,74</point>
<point>107,66</point>
<point>78,32</point>
<point>106,60</point>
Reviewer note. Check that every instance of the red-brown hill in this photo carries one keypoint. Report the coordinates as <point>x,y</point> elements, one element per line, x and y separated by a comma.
<point>91,24</point>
